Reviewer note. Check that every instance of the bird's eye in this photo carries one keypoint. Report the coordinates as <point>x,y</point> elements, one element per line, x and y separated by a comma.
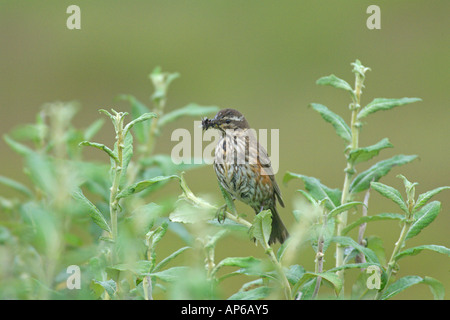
<point>227,121</point>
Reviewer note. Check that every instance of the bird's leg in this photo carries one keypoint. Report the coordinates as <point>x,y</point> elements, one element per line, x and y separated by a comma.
<point>261,209</point>
<point>221,213</point>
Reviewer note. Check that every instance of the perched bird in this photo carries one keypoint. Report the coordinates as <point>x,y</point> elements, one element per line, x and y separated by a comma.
<point>243,168</point>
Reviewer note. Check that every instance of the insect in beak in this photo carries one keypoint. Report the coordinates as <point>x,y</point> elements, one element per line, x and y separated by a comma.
<point>208,123</point>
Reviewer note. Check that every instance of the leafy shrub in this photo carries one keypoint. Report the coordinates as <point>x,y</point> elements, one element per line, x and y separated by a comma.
<point>103,219</point>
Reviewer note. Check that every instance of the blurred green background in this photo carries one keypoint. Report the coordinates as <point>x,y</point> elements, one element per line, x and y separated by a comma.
<point>263,58</point>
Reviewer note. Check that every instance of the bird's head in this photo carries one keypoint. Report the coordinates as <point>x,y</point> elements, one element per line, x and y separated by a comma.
<point>226,119</point>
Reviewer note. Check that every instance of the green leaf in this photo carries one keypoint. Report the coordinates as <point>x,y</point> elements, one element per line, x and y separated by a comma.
<point>317,190</point>
<point>347,241</point>
<point>192,209</point>
<point>331,277</point>
<point>92,130</point>
<point>187,213</point>
<point>165,163</point>
<point>306,291</point>
<point>337,83</point>
<point>42,172</point>
<point>355,266</point>
<point>101,147</point>
<point>436,287</point>
<point>5,236</point>
<point>213,239</point>
<point>400,285</point>
<point>247,265</point>
<point>423,218</point>
<point>378,217</point>
<point>375,244</point>
<point>192,109</point>
<point>141,267</point>
<point>169,258</point>
<point>141,130</point>
<point>141,118</point>
<point>341,127</point>
<point>262,227</point>
<point>326,232</point>
<point>161,81</point>
<point>424,197</point>
<point>109,286</point>
<point>294,273</point>
<point>384,104</point>
<point>171,274</point>
<point>364,154</point>
<point>241,262</point>
<point>91,209</point>
<point>16,186</point>
<point>35,132</point>
<point>16,146</point>
<point>378,170</point>
<point>45,233</point>
<point>416,250</point>
<point>282,249</point>
<point>144,217</point>
<point>410,189</point>
<point>252,294</point>
<point>409,186</point>
<point>127,154</point>
<point>141,185</point>
<point>390,193</point>
<point>259,269</point>
<point>359,69</point>
<point>154,237</point>
<point>106,112</point>
<point>343,207</point>
<point>309,197</point>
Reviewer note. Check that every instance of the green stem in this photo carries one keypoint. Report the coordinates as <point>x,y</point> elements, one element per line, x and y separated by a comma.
<point>209,262</point>
<point>159,111</point>
<point>320,254</point>
<point>113,203</point>
<point>359,71</point>
<point>152,135</point>
<point>393,260</point>
<point>117,169</point>
<point>346,196</point>
<point>147,285</point>
<point>281,273</point>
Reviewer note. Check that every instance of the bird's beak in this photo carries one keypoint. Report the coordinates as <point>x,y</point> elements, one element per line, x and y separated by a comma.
<point>209,123</point>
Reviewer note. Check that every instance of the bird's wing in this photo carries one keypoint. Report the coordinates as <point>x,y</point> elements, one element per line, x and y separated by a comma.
<point>264,161</point>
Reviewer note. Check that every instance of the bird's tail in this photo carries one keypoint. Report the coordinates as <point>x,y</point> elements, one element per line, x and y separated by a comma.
<point>279,231</point>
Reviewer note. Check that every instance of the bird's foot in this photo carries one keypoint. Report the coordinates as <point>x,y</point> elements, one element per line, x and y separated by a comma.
<point>221,213</point>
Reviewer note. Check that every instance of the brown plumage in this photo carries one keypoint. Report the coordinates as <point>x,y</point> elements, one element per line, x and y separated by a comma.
<point>243,168</point>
